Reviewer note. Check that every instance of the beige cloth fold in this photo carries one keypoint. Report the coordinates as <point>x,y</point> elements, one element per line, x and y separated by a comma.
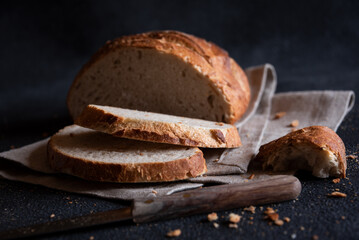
<point>224,166</point>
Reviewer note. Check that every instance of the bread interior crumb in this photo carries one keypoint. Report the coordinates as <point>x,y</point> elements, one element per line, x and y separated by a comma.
<point>320,161</point>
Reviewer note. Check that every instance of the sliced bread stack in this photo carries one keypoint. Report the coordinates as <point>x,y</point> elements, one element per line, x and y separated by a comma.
<point>180,80</point>
<point>108,155</point>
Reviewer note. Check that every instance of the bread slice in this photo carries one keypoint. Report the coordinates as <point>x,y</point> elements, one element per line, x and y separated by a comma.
<point>156,127</point>
<point>165,72</point>
<point>98,156</point>
<point>317,149</point>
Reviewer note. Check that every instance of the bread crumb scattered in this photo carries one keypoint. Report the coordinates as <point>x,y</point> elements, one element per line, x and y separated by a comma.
<point>251,209</point>
<point>174,233</point>
<point>352,156</point>
<point>336,180</point>
<point>273,216</point>
<point>141,154</point>
<point>251,218</point>
<point>154,191</point>
<point>216,160</point>
<point>278,222</point>
<point>343,217</point>
<point>337,194</point>
<point>52,215</point>
<point>212,217</point>
<point>279,115</point>
<point>286,219</point>
<point>251,176</point>
<point>216,225</point>
<point>294,123</point>
<point>315,237</point>
<point>234,218</point>
<point>269,210</point>
<point>233,225</point>
<point>219,123</point>
<point>302,228</point>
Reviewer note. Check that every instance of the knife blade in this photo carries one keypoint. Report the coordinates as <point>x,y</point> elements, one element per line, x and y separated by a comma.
<point>215,198</point>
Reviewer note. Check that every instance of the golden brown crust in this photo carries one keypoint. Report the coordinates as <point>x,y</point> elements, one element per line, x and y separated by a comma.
<point>319,137</point>
<point>225,76</point>
<point>178,169</point>
<point>95,118</point>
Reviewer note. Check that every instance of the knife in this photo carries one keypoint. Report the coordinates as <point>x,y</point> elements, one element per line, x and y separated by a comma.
<point>207,199</point>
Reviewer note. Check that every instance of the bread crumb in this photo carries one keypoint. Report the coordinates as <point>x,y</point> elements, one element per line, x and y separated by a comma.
<point>337,194</point>
<point>233,225</point>
<point>294,123</point>
<point>246,180</point>
<point>92,238</point>
<point>343,217</point>
<point>251,176</point>
<point>279,115</point>
<point>269,210</point>
<point>52,215</point>
<point>251,218</point>
<point>216,225</point>
<point>141,154</point>
<point>352,156</point>
<point>219,123</point>
<point>286,219</point>
<point>315,237</point>
<point>336,180</point>
<point>278,222</point>
<point>234,218</point>
<point>154,191</point>
<point>212,217</point>
<point>216,160</point>
<point>302,228</point>
<point>273,216</point>
<point>174,233</point>
<point>251,209</point>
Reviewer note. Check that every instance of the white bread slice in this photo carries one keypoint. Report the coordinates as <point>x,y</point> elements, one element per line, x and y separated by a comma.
<point>165,72</point>
<point>156,127</point>
<point>97,156</point>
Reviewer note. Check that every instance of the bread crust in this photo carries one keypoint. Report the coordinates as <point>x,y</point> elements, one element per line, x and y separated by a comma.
<point>162,132</point>
<point>317,137</point>
<point>177,169</point>
<point>225,76</point>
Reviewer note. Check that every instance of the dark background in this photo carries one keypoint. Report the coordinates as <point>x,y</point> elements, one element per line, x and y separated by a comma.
<point>314,45</point>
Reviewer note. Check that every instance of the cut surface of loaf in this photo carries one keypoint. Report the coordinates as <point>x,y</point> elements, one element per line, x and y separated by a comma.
<point>317,149</point>
<point>165,72</point>
<point>97,156</point>
<point>162,128</point>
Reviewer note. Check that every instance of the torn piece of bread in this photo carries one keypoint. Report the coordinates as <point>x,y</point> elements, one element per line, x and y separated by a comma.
<point>162,128</point>
<point>165,72</point>
<point>97,156</point>
<point>317,149</point>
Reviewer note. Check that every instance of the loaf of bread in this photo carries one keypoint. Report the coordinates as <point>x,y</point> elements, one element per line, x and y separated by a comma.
<point>316,149</point>
<point>165,72</point>
<point>98,156</point>
<point>156,127</point>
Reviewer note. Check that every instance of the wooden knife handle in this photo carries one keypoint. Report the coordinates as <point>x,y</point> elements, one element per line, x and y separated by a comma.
<point>223,197</point>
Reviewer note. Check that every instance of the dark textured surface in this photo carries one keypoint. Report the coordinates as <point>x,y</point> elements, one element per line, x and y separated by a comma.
<point>313,45</point>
